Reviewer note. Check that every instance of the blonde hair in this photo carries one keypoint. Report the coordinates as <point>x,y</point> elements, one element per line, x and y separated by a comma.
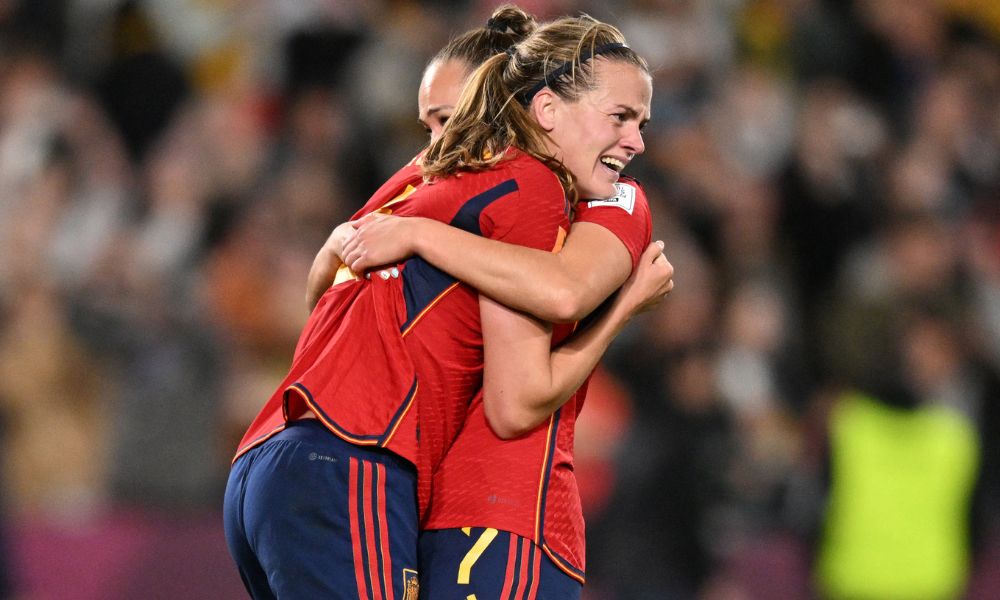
<point>506,26</point>
<point>492,112</point>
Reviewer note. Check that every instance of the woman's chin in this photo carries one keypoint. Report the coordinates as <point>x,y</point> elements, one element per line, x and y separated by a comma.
<point>601,191</point>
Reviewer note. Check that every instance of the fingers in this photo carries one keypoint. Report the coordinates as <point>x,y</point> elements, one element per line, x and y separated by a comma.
<point>668,268</point>
<point>352,253</point>
<point>652,251</point>
<point>365,220</point>
<point>665,272</point>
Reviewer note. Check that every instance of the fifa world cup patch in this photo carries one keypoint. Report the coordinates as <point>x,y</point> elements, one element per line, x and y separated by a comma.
<point>624,198</point>
<point>411,584</point>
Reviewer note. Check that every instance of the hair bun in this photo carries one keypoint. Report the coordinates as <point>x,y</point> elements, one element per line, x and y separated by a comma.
<point>511,19</point>
<point>496,25</point>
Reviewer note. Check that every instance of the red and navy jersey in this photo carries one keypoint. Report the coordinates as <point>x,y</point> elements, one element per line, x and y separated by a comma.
<point>393,360</point>
<point>324,323</point>
<point>526,485</point>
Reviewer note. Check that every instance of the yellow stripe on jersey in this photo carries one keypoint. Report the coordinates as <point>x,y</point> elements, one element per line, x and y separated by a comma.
<point>416,319</point>
<point>321,416</point>
<point>344,273</point>
<point>399,198</point>
<point>409,403</point>
<point>541,482</point>
<point>563,566</point>
<point>560,240</point>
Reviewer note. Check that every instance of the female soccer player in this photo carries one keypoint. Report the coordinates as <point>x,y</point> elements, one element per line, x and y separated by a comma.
<point>318,515</point>
<point>442,82</point>
<point>521,494</point>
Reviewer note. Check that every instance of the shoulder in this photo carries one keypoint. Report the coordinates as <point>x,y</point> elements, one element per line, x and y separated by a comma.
<point>629,197</point>
<point>529,171</point>
<point>626,214</point>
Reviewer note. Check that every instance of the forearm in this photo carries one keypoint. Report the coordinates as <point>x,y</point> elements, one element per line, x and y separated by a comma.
<point>568,368</point>
<point>525,382</point>
<point>555,287</point>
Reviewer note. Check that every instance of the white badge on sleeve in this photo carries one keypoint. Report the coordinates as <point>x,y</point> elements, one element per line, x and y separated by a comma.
<point>624,198</point>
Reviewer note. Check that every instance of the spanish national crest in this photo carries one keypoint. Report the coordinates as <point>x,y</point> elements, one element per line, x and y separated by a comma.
<point>411,584</point>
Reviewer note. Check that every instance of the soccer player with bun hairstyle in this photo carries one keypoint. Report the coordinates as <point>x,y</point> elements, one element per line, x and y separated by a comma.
<point>442,82</point>
<point>332,477</point>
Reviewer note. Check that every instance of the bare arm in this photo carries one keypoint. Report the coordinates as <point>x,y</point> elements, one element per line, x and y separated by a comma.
<point>524,381</point>
<point>326,263</point>
<point>556,287</point>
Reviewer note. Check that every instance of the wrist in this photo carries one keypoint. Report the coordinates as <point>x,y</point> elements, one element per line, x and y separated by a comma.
<point>417,235</point>
<point>620,314</point>
<point>330,254</point>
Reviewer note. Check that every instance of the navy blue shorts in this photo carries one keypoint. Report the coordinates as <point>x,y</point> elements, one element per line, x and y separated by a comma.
<point>308,515</point>
<point>486,564</point>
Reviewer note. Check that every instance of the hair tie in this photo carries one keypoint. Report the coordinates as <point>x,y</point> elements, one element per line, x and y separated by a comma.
<point>566,66</point>
<point>511,50</point>
<point>496,25</point>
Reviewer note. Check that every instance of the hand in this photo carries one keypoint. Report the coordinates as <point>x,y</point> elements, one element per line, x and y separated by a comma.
<point>379,239</point>
<point>649,283</point>
<point>326,263</point>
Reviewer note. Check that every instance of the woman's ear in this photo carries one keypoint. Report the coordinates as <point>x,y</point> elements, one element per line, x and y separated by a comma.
<point>543,107</point>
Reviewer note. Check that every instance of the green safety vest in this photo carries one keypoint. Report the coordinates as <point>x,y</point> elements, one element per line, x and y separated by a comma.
<point>896,526</point>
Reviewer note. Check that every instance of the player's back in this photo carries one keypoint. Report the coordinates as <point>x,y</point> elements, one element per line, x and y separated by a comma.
<point>393,359</point>
<point>350,328</point>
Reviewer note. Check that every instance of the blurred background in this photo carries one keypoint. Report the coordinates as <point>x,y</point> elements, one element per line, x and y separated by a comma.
<point>814,412</point>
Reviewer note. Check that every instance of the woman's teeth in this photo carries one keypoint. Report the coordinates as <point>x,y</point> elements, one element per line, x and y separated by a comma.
<point>612,163</point>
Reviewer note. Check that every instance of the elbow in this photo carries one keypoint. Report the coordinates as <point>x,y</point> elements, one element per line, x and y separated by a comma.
<point>567,305</point>
<point>506,432</point>
<point>312,295</point>
<point>509,422</point>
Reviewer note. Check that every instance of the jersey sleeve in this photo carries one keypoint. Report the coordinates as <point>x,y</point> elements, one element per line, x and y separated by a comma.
<point>626,215</point>
<point>536,215</point>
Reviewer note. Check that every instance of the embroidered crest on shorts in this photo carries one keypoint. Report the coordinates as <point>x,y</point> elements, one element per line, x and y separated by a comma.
<point>624,198</point>
<point>411,584</point>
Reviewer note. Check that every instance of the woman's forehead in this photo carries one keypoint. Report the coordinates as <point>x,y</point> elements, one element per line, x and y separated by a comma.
<point>622,82</point>
<point>442,81</point>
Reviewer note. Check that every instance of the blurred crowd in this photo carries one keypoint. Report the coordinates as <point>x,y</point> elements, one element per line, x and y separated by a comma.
<point>825,174</point>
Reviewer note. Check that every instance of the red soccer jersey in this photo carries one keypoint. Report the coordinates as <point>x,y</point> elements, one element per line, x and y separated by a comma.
<point>526,485</point>
<point>327,319</point>
<point>394,360</point>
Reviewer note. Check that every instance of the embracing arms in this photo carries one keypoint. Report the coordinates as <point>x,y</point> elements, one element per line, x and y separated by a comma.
<point>557,287</point>
<point>525,381</point>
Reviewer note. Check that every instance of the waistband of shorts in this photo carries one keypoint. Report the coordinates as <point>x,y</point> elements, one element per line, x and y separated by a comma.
<point>312,432</point>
